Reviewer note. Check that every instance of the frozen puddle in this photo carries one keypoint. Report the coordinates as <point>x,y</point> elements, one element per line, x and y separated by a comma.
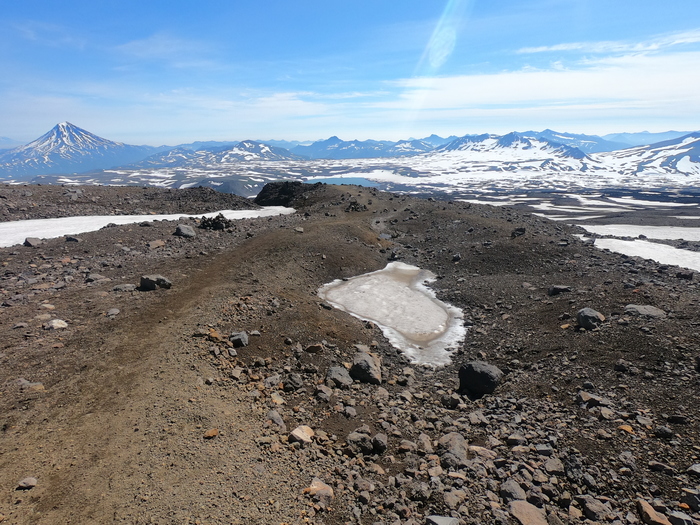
<point>399,302</point>
<point>15,232</point>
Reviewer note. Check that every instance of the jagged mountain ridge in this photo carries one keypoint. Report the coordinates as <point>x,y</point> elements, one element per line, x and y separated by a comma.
<point>335,148</point>
<point>244,151</point>
<point>644,138</point>
<point>586,143</point>
<point>67,148</point>
<point>512,147</point>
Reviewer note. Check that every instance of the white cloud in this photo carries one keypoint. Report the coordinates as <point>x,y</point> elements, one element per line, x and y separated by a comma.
<point>655,44</point>
<point>643,79</point>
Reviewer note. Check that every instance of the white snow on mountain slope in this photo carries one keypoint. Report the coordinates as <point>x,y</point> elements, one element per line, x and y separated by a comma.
<point>679,156</point>
<point>66,141</point>
<point>67,148</point>
<point>485,163</point>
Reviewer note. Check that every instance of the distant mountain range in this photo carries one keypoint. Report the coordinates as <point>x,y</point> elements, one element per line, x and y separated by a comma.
<point>334,148</point>
<point>644,138</point>
<point>7,143</point>
<point>68,149</point>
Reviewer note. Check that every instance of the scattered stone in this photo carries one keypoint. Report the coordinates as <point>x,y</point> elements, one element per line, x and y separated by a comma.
<point>380,443</point>
<point>511,490</point>
<point>55,324</point>
<point>479,378</point>
<point>320,491</point>
<point>649,515</point>
<point>239,339</point>
<point>360,442</point>
<point>595,509</point>
<point>302,434</point>
<point>27,483</point>
<point>275,417</point>
<point>153,282</point>
<point>367,368</point>
<point>184,230</point>
<point>680,518</point>
<point>589,319</point>
<point>558,289</point>
<point>211,433</point>
<point>72,238</point>
<point>453,450</point>
<point>441,520</point>
<point>112,312</point>
<point>316,348</point>
<point>33,242</point>
<point>124,288</point>
<point>526,513</point>
<point>645,311</point>
<point>152,245</point>
<point>339,377</point>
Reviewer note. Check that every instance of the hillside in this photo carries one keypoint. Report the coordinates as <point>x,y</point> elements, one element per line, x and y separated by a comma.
<point>143,409</point>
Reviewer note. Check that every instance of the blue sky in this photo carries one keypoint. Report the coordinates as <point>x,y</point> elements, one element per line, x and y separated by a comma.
<point>156,72</point>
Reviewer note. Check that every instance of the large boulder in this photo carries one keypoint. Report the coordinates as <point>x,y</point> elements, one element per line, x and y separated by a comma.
<point>589,319</point>
<point>453,450</point>
<point>287,193</point>
<point>367,368</point>
<point>152,282</point>
<point>338,377</point>
<point>184,230</point>
<point>479,378</point>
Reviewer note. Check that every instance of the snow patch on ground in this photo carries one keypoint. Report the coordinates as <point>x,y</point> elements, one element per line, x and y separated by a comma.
<point>399,302</point>
<point>652,232</point>
<point>15,232</point>
<point>660,253</point>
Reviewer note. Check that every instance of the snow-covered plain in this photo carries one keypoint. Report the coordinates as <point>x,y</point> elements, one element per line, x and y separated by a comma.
<point>15,232</point>
<point>399,302</point>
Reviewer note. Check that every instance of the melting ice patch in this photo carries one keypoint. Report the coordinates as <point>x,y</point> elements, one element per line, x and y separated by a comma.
<point>660,253</point>
<point>14,232</point>
<point>652,232</point>
<point>399,302</point>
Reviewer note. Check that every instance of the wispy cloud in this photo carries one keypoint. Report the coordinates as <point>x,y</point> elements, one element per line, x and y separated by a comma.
<point>51,35</point>
<point>656,44</point>
<point>165,48</point>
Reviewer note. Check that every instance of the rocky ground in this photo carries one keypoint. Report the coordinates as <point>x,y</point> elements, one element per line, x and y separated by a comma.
<point>126,405</point>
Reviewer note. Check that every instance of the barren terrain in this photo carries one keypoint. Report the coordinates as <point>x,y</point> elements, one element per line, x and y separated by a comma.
<point>142,411</point>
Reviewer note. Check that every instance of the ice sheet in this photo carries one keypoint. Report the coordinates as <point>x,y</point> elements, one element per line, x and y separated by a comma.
<point>15,232</point>
<point>406,310</point>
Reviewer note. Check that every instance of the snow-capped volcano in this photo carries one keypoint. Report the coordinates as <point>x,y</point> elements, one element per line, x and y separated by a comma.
<point>68,148</point>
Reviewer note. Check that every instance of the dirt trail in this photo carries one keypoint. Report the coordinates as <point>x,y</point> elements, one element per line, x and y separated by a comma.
<point>123,439</point>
